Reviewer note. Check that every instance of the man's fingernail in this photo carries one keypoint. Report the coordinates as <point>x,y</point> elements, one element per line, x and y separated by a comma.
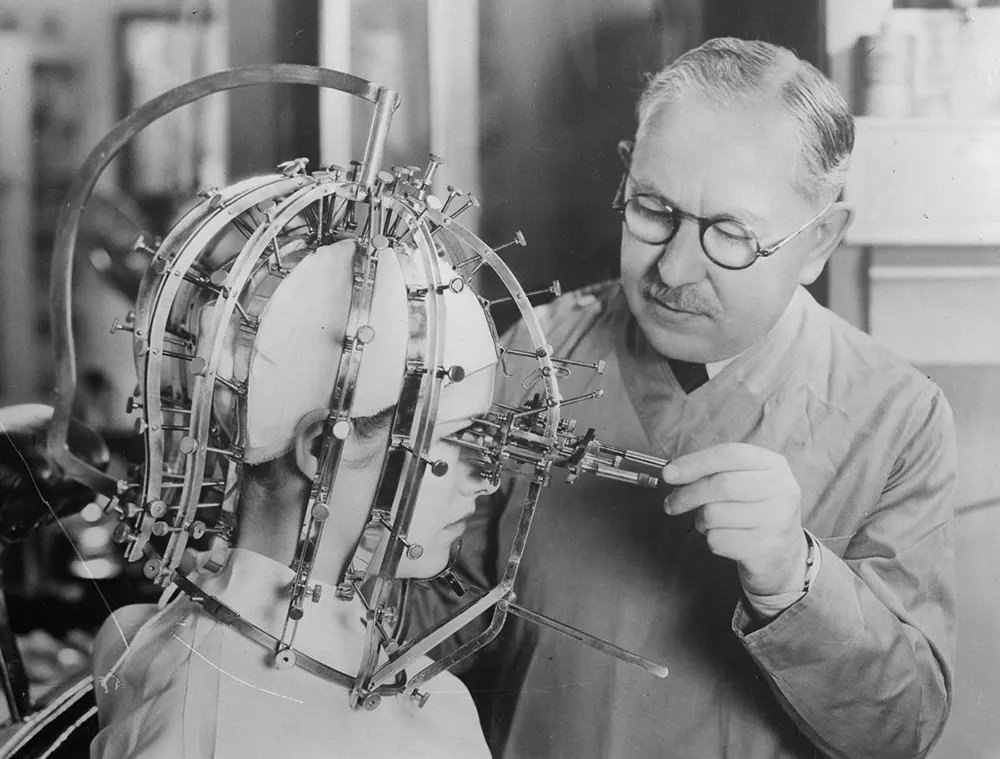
<point>671,472</point>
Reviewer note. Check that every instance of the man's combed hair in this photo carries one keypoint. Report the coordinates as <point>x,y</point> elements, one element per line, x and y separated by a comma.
<point>729,71</point>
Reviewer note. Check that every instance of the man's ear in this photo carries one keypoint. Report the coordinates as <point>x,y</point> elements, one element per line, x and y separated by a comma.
<point>826,237</point>
<point>308,439</point>
<point>625,148</point>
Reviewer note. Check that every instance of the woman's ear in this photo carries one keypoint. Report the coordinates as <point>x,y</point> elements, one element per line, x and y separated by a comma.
<point>827,236</point>
<point>308,439</point>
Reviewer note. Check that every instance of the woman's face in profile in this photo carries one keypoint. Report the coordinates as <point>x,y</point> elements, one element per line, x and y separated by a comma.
<point>444,503</point>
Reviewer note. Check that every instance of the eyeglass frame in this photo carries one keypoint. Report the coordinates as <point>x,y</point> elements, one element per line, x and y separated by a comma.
<point>704,223</point>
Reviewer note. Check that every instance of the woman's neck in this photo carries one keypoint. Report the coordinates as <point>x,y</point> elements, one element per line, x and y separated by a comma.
<point>258,588</point>
<point>271,521</point>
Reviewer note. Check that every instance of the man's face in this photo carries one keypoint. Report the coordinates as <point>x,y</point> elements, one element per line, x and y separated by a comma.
<point>710,161</point>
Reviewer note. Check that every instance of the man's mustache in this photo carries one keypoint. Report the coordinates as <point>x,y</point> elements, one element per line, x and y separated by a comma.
<point>684,298</point>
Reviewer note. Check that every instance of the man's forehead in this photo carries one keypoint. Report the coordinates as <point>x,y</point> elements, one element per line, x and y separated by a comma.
<point>740,159</point>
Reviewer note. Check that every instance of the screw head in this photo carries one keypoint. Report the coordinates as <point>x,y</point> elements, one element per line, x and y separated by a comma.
<point>320,512</point>
<point>341,430</point>
<point>151,569</point>
<point>121,533</point>
<point>284,659</point>
<point>371,702</point>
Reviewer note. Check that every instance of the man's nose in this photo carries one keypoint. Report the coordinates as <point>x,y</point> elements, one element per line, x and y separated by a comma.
<point>682,261</point>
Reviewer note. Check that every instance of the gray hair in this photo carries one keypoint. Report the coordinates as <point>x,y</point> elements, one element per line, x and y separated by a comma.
<point>728,70</point>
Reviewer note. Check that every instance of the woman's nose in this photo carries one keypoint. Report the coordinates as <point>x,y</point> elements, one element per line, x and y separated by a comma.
<point>487,486</point>
<point>473,484</point>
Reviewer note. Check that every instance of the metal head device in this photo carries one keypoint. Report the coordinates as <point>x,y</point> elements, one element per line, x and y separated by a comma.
<point>208,284</point>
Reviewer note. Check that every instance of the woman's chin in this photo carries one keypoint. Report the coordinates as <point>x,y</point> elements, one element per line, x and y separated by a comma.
<point>433,561</point>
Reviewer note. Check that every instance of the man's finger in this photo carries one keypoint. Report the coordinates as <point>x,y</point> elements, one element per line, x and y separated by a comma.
<point>729,543</point>
<point>724,457</point>
<point>732,515</point>
<point>745,486</point>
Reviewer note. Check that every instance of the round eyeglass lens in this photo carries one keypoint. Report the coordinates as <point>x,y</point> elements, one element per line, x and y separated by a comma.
<point>730,243</point>
<point>649,220</point>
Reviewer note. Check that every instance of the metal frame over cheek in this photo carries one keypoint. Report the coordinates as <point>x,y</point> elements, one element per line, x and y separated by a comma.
<point>198,291</point>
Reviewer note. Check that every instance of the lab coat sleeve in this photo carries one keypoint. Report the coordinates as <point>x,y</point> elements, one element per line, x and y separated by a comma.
<point>863,662</point>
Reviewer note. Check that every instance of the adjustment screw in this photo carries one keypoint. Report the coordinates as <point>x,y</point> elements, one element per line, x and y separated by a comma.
<point>284,659</point>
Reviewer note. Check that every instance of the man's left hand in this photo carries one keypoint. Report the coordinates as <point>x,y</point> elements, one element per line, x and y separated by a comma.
<point>746,502</point>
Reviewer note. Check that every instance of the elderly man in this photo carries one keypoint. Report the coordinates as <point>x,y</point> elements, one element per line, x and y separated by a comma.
<point>796,577</point>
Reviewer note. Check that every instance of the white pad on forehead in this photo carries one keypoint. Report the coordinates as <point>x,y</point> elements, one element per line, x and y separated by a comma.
<point>301,336</point>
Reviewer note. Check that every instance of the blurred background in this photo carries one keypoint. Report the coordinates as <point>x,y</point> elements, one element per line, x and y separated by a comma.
<point>525,100</point>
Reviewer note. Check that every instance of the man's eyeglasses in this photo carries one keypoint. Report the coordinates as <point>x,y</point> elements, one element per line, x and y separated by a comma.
<point>728,242</point>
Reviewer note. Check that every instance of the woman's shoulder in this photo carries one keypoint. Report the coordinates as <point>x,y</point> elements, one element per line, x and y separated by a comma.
<point>118,632</point>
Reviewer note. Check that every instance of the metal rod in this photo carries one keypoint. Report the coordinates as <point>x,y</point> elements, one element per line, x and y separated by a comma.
<point>597,366</point>
<point>596,643</point>
<point>635,456</point>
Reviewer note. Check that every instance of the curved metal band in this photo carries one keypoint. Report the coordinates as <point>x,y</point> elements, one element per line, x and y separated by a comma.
<point>68,222</point>
<point>426,346</point>
<point>231,618</point>
<point>420,646</point>
<point>182,251</point>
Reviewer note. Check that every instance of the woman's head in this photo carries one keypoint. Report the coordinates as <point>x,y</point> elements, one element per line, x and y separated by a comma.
<point>290,388</point>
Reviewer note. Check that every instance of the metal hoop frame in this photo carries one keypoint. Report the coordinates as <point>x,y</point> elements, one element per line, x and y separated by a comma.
<point>185,446</point>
